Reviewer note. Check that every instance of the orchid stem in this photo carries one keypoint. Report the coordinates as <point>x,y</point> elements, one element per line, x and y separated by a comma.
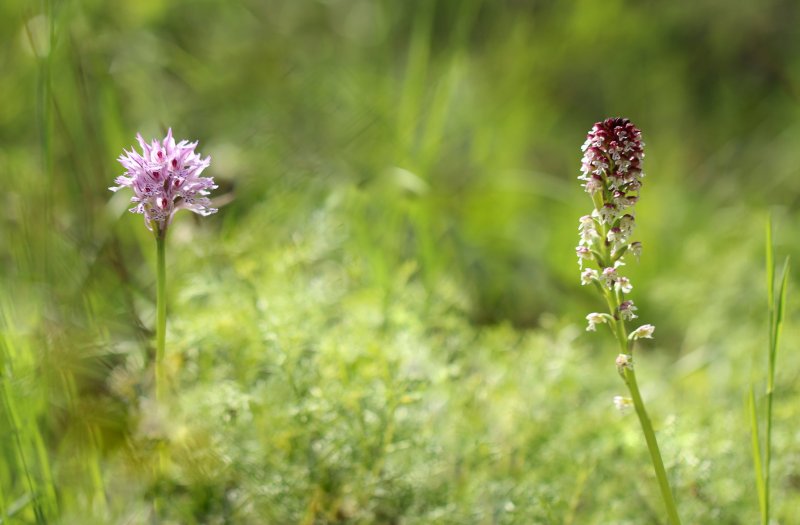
<point>161,315</point>
<point>161,332</point>
<point>652,446</point>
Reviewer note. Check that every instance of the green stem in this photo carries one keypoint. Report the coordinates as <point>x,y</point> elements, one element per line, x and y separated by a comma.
<point>161,315</point>
<point>614,299</point>
<point>770,373</point>
<point>161,333</point>
<point>629,376</point>
<point>617,325</point>
<point>768,451</point>
<point>652,446</point>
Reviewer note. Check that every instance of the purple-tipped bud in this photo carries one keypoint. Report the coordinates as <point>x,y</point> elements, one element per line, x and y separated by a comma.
<point>623,284</point>
<point>164,178</point>
<point>626,224</point>
<point>589,275</point>
<point>609,276</point>
<point>626,309</point>
<point>608,213</point>
<point>584,254</point>
<point>615,235</point>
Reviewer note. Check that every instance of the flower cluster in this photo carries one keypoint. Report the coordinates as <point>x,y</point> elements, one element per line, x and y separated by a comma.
<point>611,171</point>
<point>612,157</point>
<point>165,178</point>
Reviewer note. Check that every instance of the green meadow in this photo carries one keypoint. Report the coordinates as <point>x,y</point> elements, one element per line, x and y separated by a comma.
<point>384,323</point>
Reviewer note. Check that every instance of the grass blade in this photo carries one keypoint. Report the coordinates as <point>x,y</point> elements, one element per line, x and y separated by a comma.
<point>770,270</point>
<point>776,311</point>
<point>779,310</point>
<point>757,466</point>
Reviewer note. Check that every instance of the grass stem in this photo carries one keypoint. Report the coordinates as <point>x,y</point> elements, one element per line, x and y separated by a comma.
<point>775,310</point>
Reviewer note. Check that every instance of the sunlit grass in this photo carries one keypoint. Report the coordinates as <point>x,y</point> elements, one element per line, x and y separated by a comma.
<point>381,324</point>
<point>762,453</point>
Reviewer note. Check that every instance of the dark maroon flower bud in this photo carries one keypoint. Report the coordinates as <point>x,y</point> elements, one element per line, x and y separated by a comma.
<point>614,150</point>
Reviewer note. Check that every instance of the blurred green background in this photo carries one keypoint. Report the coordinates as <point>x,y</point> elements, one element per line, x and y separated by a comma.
<point>384,322</point>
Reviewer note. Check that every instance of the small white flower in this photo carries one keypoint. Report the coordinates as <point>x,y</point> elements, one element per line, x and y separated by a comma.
<point>636,249</point>
<point>609,276</point>
<point>616,236</point>
<point>593,184</point>
<point>626,224</point>
<point>626,309</point>
<point>608,213</point>
<point>623,404</point>
<point>623,284</point>
<point>600,166</point>
<point>584,254</point>
<point>588,276</point>
<point>643,332</point>
<point>594,320</point>
<point>630,200</point>
<point>587,230</point>
<point>624,361</point>
<point>634,184</point>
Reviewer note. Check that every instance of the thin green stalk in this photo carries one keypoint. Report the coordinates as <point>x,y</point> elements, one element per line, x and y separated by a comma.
<point>629,376</point>
<point>652,447</point>
<point>161,315</point>
<point>777,322</point>
<point>49,488</point>
<point>161,332</point>
<point>768,450</point>
<point>756,449</point>
<point>644,420</point>
<point>775,310</point>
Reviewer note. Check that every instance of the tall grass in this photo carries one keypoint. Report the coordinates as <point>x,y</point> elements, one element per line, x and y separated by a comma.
<point>762,452</point>
<point>29,474</point>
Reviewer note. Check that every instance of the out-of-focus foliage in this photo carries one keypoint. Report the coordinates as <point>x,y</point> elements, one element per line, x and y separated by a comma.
<point>383,324</point>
